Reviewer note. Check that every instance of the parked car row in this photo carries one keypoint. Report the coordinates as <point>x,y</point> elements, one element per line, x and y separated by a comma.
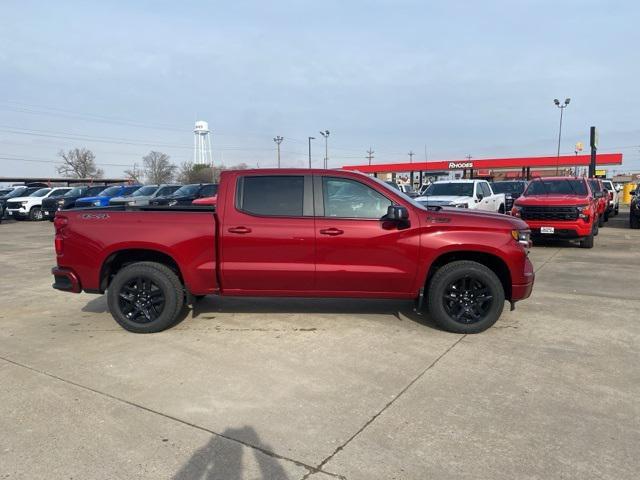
<point>38,203</point>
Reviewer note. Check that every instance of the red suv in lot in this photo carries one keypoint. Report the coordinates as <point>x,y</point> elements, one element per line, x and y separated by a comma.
<point>602,195</point>
<point>560,207</point>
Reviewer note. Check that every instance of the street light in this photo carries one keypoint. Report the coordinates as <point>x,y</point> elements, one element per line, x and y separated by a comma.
<point>561,107</point>
<point>310,138</point>
<point>325,134</point>
<point>278,141</point>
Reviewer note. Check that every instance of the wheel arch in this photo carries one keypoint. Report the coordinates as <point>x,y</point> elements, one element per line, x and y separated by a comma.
<point>121,258</point>
<point>489,260</point>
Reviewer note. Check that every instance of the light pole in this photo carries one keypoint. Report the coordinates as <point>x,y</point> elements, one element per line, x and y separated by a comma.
<point>325,134</point>
<point>310,138</point>
<point>561,106</point>
<point>278,141</point>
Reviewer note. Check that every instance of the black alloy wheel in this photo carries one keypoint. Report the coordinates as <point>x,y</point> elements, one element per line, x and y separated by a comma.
<point>465,296</point>
<point>141,300</point>
<point>467,299</point>
<point>146,297</point>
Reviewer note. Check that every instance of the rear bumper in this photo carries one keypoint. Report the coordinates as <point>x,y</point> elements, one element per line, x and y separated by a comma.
<point>65,280</point>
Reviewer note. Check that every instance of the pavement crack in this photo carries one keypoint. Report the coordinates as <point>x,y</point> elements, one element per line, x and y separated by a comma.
<point>310,469</point>
<point>536,270</point>
<point>381,411</point>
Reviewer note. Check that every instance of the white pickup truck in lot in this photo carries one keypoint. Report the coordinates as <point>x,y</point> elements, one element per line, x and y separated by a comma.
<point>472,194</point>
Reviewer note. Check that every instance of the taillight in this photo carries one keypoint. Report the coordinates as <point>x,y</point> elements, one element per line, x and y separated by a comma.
<point>60,222</point>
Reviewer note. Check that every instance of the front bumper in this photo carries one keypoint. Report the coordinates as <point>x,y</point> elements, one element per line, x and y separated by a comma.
<point>567,229</point>
<point>17,212</point>
<point>65,280</point>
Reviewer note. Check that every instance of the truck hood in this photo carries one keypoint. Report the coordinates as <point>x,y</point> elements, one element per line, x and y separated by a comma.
<point>488,219</point>
<point>443,199</point>
<point>21,199</point>
<point>542,200</point>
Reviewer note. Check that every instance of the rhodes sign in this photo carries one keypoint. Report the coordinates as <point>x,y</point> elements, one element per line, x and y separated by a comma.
<point>454,165</point>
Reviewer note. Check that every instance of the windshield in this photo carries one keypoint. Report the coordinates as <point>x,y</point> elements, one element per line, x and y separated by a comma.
<point>40,193</point>
<point>19,192</point>
<point>608,185</point>
<point>75,192</point>
<point>93,191</point>
<point>507,187</point>
<point>454,189</point>
<point>144,191</point>
<point>209,190</point>
<point>559,186</point>
<point>186,190</point>
<point>110,192</point>
<point>129,190</point>
<point>168,190</point>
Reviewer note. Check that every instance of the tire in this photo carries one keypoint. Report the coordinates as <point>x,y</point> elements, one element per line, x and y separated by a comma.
<point>161,295</point>
<point>606,215</point>
<point>601,221</point>
<point>616,210</point>
<point>634,221</point>
<point>465,279</point>
<point>35,214</point>
<point>587,242</point>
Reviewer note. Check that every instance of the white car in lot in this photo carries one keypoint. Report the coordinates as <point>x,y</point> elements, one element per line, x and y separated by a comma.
<point>29,207</point>
<point>472,194</point>
<point>613,206</point>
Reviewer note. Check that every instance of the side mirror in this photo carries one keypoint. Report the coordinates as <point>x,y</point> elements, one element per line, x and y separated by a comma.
<point>618,188</point>
<point>599,194</point>
<point>396,213</point>
<point>480,196</point>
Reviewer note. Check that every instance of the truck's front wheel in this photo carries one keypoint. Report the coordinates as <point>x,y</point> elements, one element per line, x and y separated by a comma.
<point>465,297</point>
<point>145,297</point>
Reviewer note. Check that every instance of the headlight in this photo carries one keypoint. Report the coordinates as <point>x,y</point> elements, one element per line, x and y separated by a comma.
<point>172,203</point>
<point>96,203</point>
<point>516,211</point>
<point>60,202</point>
<point>131,203</point>
<point>23,203</point>
<point>460,205</point>
<point>523,237</point>
<point>584,212</point>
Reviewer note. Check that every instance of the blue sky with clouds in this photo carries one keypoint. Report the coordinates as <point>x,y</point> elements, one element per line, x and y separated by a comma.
<point>470,77</point>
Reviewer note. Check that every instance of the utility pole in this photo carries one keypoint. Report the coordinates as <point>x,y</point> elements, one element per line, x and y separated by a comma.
<point>278,141</point>
<point>411,154</point>
<point>325,134</point>
<point>561,107</point>
<point>370,155</point>
<point>468,157</point>
<point>310,138</point>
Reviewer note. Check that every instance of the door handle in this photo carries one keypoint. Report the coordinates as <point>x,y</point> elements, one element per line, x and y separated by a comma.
<point>239,230</point>
<point>331,231</point>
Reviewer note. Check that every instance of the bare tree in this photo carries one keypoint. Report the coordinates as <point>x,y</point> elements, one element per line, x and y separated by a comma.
<point>157,168</point>
<point>190,173</point>
<point>134,175</point>
<point>78,163</point>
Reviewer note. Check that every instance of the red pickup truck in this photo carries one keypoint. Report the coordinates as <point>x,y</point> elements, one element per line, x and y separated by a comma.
<point>560,207</point>
<point>303,233</point>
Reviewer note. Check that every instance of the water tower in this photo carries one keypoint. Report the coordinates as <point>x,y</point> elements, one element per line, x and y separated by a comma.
<point>202,144</point>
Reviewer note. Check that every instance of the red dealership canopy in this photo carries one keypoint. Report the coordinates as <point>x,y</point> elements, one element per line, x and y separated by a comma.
<point>488,163</point>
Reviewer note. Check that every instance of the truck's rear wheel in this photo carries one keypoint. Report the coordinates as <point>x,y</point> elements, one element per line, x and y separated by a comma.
<point>465,297</point>
<point>145,297</point>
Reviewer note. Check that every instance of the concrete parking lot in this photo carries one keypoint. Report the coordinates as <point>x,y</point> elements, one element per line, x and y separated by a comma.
<point>319,389</point>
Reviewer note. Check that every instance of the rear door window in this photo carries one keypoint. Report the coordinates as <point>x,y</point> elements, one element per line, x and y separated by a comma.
<point>271,195</point>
